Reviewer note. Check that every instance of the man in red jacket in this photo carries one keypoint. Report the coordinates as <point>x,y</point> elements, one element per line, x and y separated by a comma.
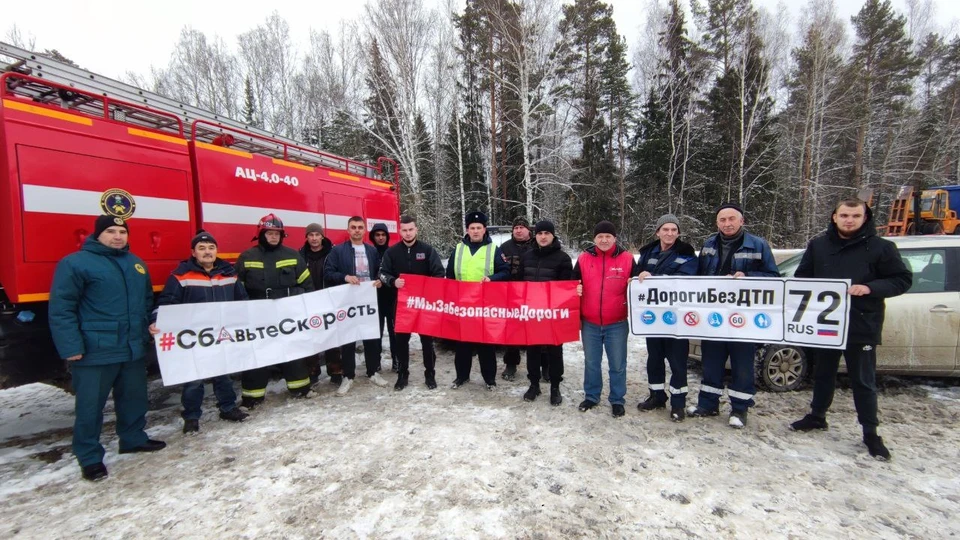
<point>604,270</point>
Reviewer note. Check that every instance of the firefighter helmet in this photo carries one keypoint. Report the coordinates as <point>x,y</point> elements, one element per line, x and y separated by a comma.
<point>270,222</point>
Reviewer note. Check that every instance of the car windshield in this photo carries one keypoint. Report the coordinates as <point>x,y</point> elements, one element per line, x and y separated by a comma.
<point>789,266</point>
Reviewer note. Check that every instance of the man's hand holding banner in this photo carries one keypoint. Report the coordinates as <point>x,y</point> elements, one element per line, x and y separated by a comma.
<point>198,341</point>
<point>811,312</point>
<point>503,313</point>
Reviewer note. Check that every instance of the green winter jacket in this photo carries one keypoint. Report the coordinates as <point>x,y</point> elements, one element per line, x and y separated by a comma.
<point>100,303</point>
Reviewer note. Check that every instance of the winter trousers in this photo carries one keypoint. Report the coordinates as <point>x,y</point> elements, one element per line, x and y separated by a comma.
<point>511,356</point>
<point>463,361</point>
<point>403,355</point>
<point>254,382</point>
<point>92,385</point>
<point>674,351</point>
<point>552,356</point>
<point>371,357</point>
<point>390,318</point>
<point>861,361</point>
<point>333,361</point>
<point>192,397</point>
<point>741,390</point>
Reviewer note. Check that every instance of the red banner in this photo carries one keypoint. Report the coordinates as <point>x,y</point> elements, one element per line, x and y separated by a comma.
<point>503,313</point>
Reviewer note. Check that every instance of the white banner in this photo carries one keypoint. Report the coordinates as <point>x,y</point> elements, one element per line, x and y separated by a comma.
<point>812,312</point>
<point>198,341</point>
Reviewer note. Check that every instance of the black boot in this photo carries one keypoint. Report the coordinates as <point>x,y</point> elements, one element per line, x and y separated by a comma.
<point>401,381</point>
<point>652,403</point>
<point>94,473</point>
<point>532,393</point>
<point>876,447</point>
<point>191,426</point>
<point>509,373</point>
<point>430,380</point>
<point>251,403</point>
<point>555,398</point>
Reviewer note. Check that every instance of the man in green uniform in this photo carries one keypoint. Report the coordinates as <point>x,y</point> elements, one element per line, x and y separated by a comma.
<point>100,302</point>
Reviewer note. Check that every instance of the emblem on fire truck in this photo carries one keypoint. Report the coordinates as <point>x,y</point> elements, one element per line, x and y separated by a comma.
<point>117,202</point>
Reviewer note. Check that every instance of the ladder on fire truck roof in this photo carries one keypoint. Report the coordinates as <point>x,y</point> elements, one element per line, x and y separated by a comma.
<point>206,126</point>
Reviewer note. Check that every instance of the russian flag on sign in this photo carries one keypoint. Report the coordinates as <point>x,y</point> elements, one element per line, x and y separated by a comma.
<point>826,332</point>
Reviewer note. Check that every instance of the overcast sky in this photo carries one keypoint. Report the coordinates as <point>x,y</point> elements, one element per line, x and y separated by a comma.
<point>111,37</point>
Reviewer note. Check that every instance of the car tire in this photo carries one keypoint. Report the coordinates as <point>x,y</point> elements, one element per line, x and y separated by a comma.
<point>781,368</point>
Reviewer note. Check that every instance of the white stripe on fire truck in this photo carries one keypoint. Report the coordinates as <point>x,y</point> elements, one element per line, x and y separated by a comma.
<point>78,202</point>
<point>250,215</point>
<point>246,215</point>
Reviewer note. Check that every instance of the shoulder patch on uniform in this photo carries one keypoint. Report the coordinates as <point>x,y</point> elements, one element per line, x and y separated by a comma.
<point>139,267</point>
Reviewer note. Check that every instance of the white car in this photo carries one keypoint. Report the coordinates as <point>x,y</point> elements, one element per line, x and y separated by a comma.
<point>921,330</point>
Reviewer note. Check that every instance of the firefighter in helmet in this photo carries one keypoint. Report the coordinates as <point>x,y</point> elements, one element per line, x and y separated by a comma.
<point>271,270</point>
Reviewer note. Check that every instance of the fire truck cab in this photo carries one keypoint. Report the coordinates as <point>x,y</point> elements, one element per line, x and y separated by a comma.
<point>70,151</point>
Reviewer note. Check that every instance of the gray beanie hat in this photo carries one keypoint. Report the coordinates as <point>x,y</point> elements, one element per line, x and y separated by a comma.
<point>314,227</point>
<point>667,218</point>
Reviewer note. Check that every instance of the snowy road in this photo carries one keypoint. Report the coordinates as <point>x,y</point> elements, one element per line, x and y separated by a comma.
<point>475,464</point>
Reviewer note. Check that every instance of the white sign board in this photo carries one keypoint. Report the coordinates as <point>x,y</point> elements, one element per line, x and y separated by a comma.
<point>198,341</point>
<point>810,312</point>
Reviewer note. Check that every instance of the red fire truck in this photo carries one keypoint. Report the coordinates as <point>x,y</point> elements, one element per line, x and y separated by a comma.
<point>74,145</point>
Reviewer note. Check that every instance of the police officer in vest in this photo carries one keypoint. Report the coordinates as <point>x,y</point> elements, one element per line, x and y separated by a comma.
<point>476,258</point>
<point>271,270</point>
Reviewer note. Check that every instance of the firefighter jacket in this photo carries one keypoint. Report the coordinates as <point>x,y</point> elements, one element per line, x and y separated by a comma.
<point>341,263</point>
<point>273,273</point>
<point>191,284</point>
<point>549,263</point>
<point>865,259</point>
<point>604,276</point>
<point>316,259</point>
<point>752,257</point>
<point>473,261</point>
<point>680,259</point>
<point>512,253</point>
<point>100,303</point>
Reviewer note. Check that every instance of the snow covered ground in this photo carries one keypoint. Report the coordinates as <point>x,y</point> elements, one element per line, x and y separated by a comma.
<point>470,463</point>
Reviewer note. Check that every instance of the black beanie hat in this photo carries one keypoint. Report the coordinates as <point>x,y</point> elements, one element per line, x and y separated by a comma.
<point>476,217</point>
<point>202,236</point>
<point>733,205</point>
<point>545,226</point>
<point>104,222</point>
<point>605,227</point>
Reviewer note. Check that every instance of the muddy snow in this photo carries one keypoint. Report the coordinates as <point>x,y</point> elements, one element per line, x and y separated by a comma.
<point>471,463</point>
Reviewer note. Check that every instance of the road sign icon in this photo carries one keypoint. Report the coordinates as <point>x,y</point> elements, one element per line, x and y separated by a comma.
<point>715,320</point>
<point>670,317</point>
<point>762,320</point>
<point>737,320</point>
<point>691,318</point>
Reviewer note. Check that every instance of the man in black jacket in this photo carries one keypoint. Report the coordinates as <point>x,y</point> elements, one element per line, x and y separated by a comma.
<point>546,261</point>
<point>356,263</point>
<point>410,256</point>
<point>513,249</point>
<point>315,250</point>
<point>850,249</point>
<point>386,296</point>
<point>271,270</point>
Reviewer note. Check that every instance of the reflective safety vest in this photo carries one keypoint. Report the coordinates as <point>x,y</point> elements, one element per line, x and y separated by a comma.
<point>476,266</point>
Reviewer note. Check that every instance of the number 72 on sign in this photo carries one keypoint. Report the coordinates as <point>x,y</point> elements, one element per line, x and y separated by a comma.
<point>816,312</point>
